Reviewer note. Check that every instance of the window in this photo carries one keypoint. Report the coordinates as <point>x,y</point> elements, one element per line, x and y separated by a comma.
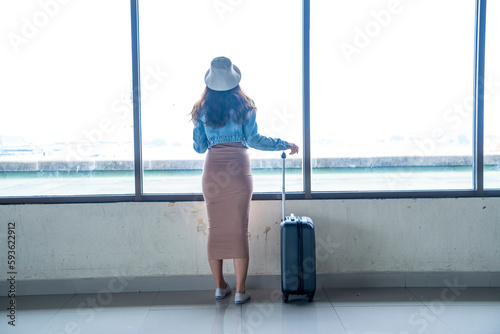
<point>66,116</point>
<point>178,41</point>
<point>391,96</point>
<point>386,89</point>
<point>492,98</point>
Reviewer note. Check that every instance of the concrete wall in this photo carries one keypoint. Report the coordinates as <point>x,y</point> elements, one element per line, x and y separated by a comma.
<point>74,241</point>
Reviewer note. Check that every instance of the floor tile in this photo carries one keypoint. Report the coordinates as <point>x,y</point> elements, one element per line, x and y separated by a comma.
<point>371,297</point>
<point>457,296</point>
<point>473,318</point>
<point>32,312</point>
<point>190,300</point>
<point>391,320</point>
<point>266,296</point>
<point>26,321</point>
<point>263,319</point>
<point>106,301</point>
<point>274,297</point>
<point>348,311</point>
<point>91,321</point>
<point>217,320</point>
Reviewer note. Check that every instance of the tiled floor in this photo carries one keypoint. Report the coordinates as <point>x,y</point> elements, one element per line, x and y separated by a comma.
<point>353,311</point>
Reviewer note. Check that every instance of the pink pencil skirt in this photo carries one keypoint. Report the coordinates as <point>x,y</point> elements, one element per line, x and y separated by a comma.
<point>227,189</point>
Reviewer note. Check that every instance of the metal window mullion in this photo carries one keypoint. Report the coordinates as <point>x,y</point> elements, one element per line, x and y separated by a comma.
<point>136,95</point>
<point>479,57</point>
<point>306,19</point>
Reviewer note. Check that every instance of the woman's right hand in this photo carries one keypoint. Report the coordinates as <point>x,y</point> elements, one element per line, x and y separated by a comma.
<point>294,148</point>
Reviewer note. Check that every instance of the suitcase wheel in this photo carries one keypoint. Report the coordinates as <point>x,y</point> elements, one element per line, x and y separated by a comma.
<point>285,297</point>
<point>310,297</point>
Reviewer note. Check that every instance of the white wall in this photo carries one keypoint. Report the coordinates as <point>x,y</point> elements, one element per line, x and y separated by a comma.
<point>168,239</point>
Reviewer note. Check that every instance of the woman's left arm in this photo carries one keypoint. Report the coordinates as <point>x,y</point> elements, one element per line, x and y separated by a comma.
<point>200,144</point>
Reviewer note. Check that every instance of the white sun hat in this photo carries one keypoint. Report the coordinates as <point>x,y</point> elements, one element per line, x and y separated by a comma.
<point>222,75</point>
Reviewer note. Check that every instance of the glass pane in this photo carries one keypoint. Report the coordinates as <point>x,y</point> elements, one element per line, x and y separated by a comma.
<point>66,117</point>
<point>178,41</point>
<point>391,94</point>
<point>492,97</point>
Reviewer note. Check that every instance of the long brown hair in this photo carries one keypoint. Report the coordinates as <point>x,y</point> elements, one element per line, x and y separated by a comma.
<point>218,103</point>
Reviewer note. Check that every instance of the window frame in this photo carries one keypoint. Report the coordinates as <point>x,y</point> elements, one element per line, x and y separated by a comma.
<point>139,196</point>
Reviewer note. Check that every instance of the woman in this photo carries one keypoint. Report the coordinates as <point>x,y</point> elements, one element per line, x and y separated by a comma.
<point>224,123</point>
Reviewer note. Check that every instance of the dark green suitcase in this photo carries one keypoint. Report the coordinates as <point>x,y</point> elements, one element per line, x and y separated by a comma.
<point>298,253</point>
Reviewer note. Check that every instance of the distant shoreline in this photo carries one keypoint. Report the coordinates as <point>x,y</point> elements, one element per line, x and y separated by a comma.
<point>191,164</point>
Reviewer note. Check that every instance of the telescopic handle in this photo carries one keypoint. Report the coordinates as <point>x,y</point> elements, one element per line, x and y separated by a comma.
<point>283,156</point>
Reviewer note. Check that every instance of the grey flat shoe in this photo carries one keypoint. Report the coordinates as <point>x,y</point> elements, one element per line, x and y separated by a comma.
<point>241,297</point>
<point>222,293</point>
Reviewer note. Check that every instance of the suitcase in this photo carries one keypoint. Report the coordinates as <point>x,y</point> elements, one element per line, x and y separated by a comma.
<point>298,253</point>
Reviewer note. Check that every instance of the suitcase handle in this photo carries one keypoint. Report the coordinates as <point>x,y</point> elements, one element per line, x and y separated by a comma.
<point>283,156</point>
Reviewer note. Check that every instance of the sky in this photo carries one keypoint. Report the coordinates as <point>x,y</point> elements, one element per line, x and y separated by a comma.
<point>380,71</point>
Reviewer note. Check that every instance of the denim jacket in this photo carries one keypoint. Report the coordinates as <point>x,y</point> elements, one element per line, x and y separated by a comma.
<point>205,136</point>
